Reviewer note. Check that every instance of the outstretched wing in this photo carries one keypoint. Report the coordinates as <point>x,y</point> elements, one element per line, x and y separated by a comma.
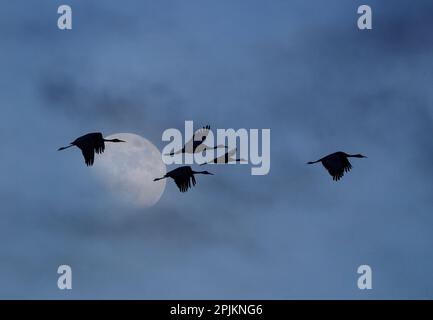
<point>89,155</point>
<point>201,134</point>
<point>337,166</point>
<point>183,177</point>
<point>99,144</point>
<point>184,183</point>
<point>230,154</point>
<point>197,139</point>
<point>226,157</point>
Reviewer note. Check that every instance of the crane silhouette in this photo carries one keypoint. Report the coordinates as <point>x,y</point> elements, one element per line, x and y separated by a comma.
<point>89,144</point>
<point>225,158</point>
<point>183,176</point>
<point>196,143</point>
<point>337,163</point>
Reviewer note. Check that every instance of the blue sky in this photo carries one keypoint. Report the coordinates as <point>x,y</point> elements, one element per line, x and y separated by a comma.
<point>300,68</point>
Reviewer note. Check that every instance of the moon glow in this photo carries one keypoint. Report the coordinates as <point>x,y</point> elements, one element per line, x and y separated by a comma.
<point>128,170</point>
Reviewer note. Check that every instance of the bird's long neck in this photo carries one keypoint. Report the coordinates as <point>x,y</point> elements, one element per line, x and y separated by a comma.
<point>213,148</point>
<point>157,179</point>
<point>354,156</point>
<point>63,148</point>
<point>199,172</point>
<point>220,146</point>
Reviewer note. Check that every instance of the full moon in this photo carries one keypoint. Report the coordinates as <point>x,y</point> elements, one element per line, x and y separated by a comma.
<point>128,170</point>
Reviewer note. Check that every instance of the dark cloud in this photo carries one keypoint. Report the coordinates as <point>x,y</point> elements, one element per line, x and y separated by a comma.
<point>131,105</point>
